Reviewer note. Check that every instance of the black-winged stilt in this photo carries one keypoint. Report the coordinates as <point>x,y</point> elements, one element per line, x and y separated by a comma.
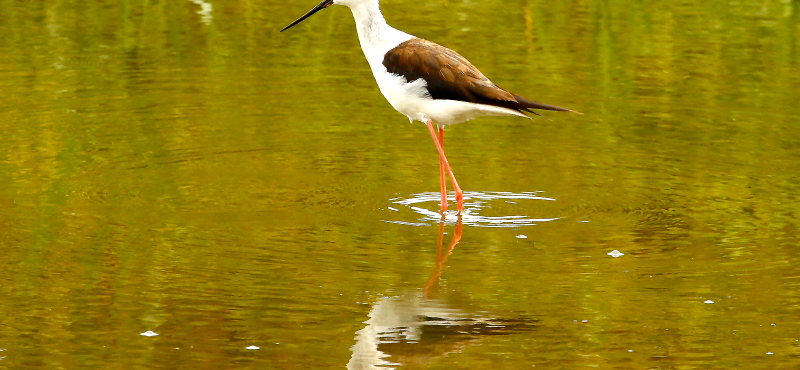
<point>428,82</point>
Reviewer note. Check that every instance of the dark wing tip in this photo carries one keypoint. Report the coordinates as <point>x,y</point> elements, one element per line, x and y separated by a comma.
<point>529,104</point>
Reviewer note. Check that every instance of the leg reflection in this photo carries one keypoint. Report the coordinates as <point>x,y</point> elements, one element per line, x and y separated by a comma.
<point>441,257</point>
<point>413,329</point>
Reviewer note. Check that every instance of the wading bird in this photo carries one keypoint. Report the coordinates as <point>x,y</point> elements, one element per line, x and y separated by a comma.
<point>428,82</point>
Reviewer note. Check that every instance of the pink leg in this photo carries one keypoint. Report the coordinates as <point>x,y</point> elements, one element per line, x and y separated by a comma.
<point>442,181</point>
<point>443,161</point>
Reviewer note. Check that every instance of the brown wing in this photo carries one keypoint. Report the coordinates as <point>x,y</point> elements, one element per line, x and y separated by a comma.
<point>451,76</point>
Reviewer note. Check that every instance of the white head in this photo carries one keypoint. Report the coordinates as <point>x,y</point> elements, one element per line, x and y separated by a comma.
<point>326,3</point>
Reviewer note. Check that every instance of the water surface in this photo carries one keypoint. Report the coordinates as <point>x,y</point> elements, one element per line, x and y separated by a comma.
<point>183,168</point>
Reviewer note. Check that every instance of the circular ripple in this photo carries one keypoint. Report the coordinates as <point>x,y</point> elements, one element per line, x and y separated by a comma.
<point>484,209</point>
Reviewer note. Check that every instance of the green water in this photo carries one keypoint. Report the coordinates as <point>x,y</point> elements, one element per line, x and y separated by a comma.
<point>192,172</point>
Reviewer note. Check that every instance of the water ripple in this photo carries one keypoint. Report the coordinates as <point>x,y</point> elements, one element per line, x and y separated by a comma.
<point>508,209</point>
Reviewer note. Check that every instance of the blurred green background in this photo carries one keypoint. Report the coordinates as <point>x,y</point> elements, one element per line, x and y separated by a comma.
<point>183,167</point>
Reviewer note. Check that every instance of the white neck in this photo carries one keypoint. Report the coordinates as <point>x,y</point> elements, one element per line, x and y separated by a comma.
<point>369,22</point>
<point>375,35</point>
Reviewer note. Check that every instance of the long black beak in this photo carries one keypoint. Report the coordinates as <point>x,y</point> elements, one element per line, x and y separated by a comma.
<point>324,4</point>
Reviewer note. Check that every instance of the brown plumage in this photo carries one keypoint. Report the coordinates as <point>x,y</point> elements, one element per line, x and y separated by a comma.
<point>451,76</point>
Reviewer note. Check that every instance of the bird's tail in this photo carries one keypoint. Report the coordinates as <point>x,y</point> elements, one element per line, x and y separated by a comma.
<point>527,105</point>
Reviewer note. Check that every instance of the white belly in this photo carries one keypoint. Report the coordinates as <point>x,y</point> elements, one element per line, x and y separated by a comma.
<point>412,100</point>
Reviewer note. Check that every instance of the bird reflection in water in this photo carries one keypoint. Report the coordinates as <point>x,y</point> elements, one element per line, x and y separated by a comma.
<point>412,329</point>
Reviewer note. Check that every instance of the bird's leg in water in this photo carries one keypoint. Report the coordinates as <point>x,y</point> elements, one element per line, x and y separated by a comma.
<point>442,180</point>
<point>443,163</point>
